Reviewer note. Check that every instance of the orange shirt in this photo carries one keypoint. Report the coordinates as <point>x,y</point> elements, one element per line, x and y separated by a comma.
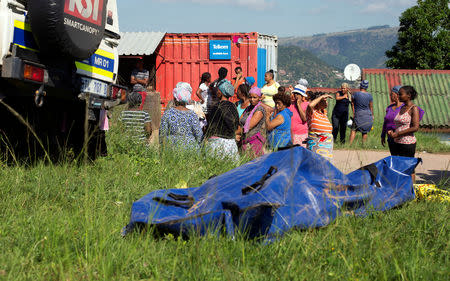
<point>319,123</point>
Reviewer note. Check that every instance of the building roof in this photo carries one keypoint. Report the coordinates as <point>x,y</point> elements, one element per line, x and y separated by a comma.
<point>139,43</point>
<point>433,87</point>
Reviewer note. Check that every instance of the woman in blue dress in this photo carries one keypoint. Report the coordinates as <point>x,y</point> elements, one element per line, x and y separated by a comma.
<point>279,124</point>
<point>180,127</point>
<point>362,106</point>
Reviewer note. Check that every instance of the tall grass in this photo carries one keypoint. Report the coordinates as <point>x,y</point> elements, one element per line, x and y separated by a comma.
<point>63,222</point>
<point>428,142</point>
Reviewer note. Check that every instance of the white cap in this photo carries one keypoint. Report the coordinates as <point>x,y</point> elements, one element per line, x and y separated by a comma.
<point>303,82</point>
<point>300,89</point>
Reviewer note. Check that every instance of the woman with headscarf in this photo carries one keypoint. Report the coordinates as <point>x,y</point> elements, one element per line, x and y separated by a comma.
<point>340,112</point>
<point>180,127</point>
<point>391,111</point>
<point>252,125</point>
<point>250,81</point>
<point>270,89</point>
<point>362,106</point>
<point>223,125</point>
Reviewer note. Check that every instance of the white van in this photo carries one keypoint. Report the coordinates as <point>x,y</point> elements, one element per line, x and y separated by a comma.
<point>54,54</point>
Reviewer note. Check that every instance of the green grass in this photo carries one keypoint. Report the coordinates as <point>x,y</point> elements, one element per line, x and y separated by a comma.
<point>428,142</point>
<point>63,222</point>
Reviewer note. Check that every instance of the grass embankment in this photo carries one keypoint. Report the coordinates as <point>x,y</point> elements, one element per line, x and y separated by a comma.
<point>428,142</point>
<point>63,222</point>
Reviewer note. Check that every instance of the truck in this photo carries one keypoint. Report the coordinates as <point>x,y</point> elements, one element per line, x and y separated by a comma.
<point>58,64</point>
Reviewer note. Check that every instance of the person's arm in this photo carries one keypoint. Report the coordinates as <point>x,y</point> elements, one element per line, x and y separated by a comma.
<point>237,81</point>
<point>315,102</point>
<point>300,110</point>
<point>272,124</point>
<point>414,125</point>
<point>339,97</point>
<point>309,112</point>
<point>256,118</point>
<point>239,132</point>
<point>199,95</point>
<point>353,107</point>
<point>148,129</point>
<point>133,80</point>
<point>197,129</point>
<point>143,82</point>
<point>269,110</point>
<point>384,131</point>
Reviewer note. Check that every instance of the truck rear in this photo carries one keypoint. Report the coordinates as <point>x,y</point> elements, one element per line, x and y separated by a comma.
<point>59,63</point>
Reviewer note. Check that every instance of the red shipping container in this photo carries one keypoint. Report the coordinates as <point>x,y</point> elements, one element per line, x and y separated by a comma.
<point>184,57</point>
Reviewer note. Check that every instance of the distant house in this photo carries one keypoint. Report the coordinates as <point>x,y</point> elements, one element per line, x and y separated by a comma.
<point>433,87</point>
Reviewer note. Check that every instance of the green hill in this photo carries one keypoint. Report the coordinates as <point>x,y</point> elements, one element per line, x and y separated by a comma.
<point>295,63</point>
<point>365,47</point>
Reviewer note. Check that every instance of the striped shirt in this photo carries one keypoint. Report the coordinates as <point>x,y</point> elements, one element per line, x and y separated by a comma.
<point>319,123</point>
<point>134,122</point>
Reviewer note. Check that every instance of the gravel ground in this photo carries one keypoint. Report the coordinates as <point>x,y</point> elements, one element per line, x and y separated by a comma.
<point>434,169</point>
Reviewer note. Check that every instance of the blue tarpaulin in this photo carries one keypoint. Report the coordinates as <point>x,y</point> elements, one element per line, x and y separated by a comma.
<point>290,189</point>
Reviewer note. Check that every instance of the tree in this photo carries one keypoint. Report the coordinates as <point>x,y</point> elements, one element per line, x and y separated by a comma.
<point>423,37</point>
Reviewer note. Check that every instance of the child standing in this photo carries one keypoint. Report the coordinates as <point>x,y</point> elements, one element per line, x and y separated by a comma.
<point>202,92</point>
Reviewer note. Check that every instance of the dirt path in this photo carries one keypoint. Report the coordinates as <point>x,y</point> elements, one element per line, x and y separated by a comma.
<point>435,167</point>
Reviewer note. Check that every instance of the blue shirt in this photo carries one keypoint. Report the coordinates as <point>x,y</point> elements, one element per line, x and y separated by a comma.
<point>240,109</point>
<point>362,101</point>
<point>281,136</point>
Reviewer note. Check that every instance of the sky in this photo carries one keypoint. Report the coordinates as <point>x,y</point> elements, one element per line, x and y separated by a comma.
<point>273,17</point>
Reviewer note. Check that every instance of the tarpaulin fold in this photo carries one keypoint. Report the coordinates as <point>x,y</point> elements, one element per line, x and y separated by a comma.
<point>290,189</point>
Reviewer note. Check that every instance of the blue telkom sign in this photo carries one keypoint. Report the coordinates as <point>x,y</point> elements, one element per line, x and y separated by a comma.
<point>220,50</point>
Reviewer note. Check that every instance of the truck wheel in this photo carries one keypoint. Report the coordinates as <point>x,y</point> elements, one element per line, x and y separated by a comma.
<point>73,28</point>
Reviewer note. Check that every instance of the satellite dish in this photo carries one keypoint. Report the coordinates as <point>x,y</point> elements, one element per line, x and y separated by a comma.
<point>352,72</point>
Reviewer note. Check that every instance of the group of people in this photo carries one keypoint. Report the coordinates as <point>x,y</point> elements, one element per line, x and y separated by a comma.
<point>273,117</point>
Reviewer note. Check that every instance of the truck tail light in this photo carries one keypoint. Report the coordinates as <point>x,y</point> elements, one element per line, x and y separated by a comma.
<point>33,73</point>
<point>119,93</point>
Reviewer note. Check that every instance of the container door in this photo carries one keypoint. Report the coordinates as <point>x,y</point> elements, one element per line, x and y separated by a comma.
<point>262,66</point>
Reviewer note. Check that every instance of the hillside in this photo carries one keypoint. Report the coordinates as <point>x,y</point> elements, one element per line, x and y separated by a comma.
<point>295,63</point>
<point>365,47</point>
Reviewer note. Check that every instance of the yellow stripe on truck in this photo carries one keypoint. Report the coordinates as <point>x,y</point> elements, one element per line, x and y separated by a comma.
<point>27,48</point>
<point>105,54</point>
<point>92,69</point>
<point>22,25</point>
